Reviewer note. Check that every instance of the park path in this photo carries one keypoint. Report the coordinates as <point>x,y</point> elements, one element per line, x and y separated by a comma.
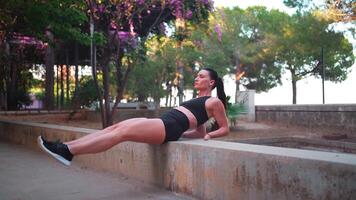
<point>26,174</point>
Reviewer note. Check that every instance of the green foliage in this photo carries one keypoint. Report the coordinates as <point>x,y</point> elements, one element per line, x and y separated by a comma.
<point>247,43</point>
<point>336,10</point>
<point>86,92</point>
<point>40,95</point>
<point>262,43</point>
<point>300,48</point>
<point>21,96</point>
<point>63,18</point>
<point>152,70</point>
<point>145,81</point>
<point>235,110</point>
<point>299,4</point>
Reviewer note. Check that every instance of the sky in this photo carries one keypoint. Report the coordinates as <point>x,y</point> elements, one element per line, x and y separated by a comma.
<point>309,90</point>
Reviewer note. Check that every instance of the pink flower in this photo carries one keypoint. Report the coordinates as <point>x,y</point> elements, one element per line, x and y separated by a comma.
<point>177,6</point>
<point>113,25</point>
<point>140,2</point>
<point>101,8</point>
<point>127,39</point>
<point>218,31</point>
<point>124,36</point>
<point>188,14</point>
<point>206,2</point>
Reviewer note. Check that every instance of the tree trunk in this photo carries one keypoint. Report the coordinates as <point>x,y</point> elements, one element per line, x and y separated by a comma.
<point>93,65</point>
<point>97,88</point>
<point>3,100</point>
<point>49,82</point>
<point>170,98</point>
<point>76,76</point>
<point>121,82</point>
<point>5,78</point>
<point>67,77</point>
<point>180,70</point>
<point>106,85</point>
<point>57,86</point>
<point>294,85</point>
<point>157,98</point>
<point>62,87</point>
<point>237,81</point>
<point>74,100</point>
<point>168,92</point>
<point>180,27</point>
<point>12,87</point>
<point>100,98</point>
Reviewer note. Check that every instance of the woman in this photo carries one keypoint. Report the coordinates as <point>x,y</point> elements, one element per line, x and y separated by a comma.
<point>169,127</point>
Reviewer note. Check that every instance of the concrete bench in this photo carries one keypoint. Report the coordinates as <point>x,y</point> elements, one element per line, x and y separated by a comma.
<point>212,169</point>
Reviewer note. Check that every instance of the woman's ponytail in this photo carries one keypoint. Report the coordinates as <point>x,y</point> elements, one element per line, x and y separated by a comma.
<point>219,84</point>
<point>220,91</point>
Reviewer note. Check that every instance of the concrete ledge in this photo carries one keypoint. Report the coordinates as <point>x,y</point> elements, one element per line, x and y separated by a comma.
<point>123,114</point>
<point>337,118</point>
<point>303,143</point>
<point>310,108</point>
<point>34,112</point>
<point>213,169</point>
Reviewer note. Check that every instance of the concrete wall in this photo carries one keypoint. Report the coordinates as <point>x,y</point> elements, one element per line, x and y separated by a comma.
<point>126,114</point>
<point>89,115</point>
<point>34,112</point>
<point>334,117</point>
<point>213,169</point>
<point>247,98</point>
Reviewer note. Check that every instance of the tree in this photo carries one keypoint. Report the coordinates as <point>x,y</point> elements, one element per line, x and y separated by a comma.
<point>243,42</point>
<point>44,20</point>
<point>15,63</point>
<point>300,45</point>
<point>17,77</point>
<point>150,71</point>
<point>127,23</point>
<point>342,11</point>
<point>336,10</point>
<point>55,20</point>
<point>14,54</point>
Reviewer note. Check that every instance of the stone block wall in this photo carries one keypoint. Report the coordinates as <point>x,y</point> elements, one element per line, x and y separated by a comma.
<point>337,118</point>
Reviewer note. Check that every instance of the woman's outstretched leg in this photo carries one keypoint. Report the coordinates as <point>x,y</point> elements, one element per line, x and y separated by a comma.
<point>103,131</point>
<point>150,131</point>
<point>139,130</point>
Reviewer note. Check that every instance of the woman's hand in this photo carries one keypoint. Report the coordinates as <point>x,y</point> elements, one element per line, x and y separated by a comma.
<point>195,133</point>
<point>207,137</point>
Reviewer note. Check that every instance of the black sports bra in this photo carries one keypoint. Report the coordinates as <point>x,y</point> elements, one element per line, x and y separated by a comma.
<point>197,107</point>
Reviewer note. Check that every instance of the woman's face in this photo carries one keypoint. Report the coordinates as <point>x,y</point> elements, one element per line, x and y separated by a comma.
<point>203,81</point>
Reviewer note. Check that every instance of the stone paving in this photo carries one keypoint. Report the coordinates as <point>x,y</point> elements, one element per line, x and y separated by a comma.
<point>26,174</point>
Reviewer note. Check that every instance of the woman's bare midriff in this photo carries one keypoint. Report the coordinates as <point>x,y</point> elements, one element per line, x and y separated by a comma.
<point>192,120</point>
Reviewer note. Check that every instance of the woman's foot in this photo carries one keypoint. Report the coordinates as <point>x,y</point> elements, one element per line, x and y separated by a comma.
<point>57,150</point>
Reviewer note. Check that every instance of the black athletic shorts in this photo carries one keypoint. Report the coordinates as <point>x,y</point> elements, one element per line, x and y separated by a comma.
<point>175,123</point>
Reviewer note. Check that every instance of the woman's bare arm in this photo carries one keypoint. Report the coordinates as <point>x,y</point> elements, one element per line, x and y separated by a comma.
<point>195,133</point>
<point>219,114</point>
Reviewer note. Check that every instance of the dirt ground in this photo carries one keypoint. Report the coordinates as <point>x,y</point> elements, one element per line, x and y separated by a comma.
<point>243,130</point>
